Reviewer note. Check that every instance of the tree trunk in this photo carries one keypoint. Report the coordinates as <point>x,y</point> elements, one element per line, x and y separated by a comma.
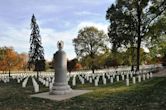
<point>37,67</point>
<point>37,74</point>
<point>9,73</point>
<point>138,53</point>
<point>132,67</point>
<point>139,11</point>
<point>93,70</point>
<point>132,58</point>
<point>92,66</point>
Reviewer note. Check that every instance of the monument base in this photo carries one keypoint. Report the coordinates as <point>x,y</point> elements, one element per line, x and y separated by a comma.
<point>74,93</point>
<point>60,89</point>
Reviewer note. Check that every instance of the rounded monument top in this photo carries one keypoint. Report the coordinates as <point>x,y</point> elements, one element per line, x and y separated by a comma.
<point>60,45</point>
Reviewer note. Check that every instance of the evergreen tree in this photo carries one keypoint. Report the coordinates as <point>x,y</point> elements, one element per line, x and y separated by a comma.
<point>36,53</point>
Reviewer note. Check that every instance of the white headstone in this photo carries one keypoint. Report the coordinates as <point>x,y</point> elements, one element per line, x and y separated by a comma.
<point>122,77</point>
<point>117,78</point>
<point>74,81</point>
<point>127,82</point>
<point>18,80</point>
<point>112,79</point>
<point>50,86</point>
<point>47,84</point>
<point>134,80</point>
<point>143,76</point>
<point>139,78</point>
<point>131,74</point>
<point>24,83</point>
<point>151,75</point>
<point>96,82</point>
<point>147,75</point>
<point>35,85</point>
<point>104,80</point>
<point>90,79</point>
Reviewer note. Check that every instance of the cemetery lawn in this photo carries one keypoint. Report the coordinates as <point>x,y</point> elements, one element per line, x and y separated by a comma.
<point>147,95</point>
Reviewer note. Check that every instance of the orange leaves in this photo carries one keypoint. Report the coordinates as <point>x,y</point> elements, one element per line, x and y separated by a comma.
<point>11,60</point>
<point>73,65</point>
<point>78,66</point>
<point>23,59</point>
<point>2,65</point>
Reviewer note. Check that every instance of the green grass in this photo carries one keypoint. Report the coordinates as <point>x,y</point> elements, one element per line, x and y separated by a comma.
<point>148,95</point>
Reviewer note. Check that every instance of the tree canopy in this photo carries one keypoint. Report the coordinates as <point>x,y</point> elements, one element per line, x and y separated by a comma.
<point>90,42</point>
<point>134,17</point>
<point>11,60</point>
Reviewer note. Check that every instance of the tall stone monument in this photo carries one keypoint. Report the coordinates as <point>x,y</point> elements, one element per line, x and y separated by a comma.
<point>60,86</point>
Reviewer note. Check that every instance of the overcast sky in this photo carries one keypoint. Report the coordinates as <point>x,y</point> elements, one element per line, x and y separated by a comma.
<point>57,20</point>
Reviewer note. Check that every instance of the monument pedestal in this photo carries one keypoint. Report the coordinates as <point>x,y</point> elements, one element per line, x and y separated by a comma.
<point>60,89</point>
<point>74,93</point>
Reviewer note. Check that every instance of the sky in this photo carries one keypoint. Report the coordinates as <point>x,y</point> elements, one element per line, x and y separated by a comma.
<point>57,20</point>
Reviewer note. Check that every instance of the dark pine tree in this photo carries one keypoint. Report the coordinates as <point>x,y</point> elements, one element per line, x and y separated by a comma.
<point>36,53</point>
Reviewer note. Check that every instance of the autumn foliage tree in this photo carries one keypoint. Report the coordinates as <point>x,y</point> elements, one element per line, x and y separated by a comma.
<point>11,60</point>
<point>2,59</point>
<point>22,61</point>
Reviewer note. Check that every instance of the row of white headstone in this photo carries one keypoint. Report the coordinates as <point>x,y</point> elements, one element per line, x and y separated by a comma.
<point>24,83</point>
<point>5,79</point>
<point>111,77</point>
<point>139,77</point>
<point>23,78</point>
<point>35,85</point>
<point>47,80</point>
